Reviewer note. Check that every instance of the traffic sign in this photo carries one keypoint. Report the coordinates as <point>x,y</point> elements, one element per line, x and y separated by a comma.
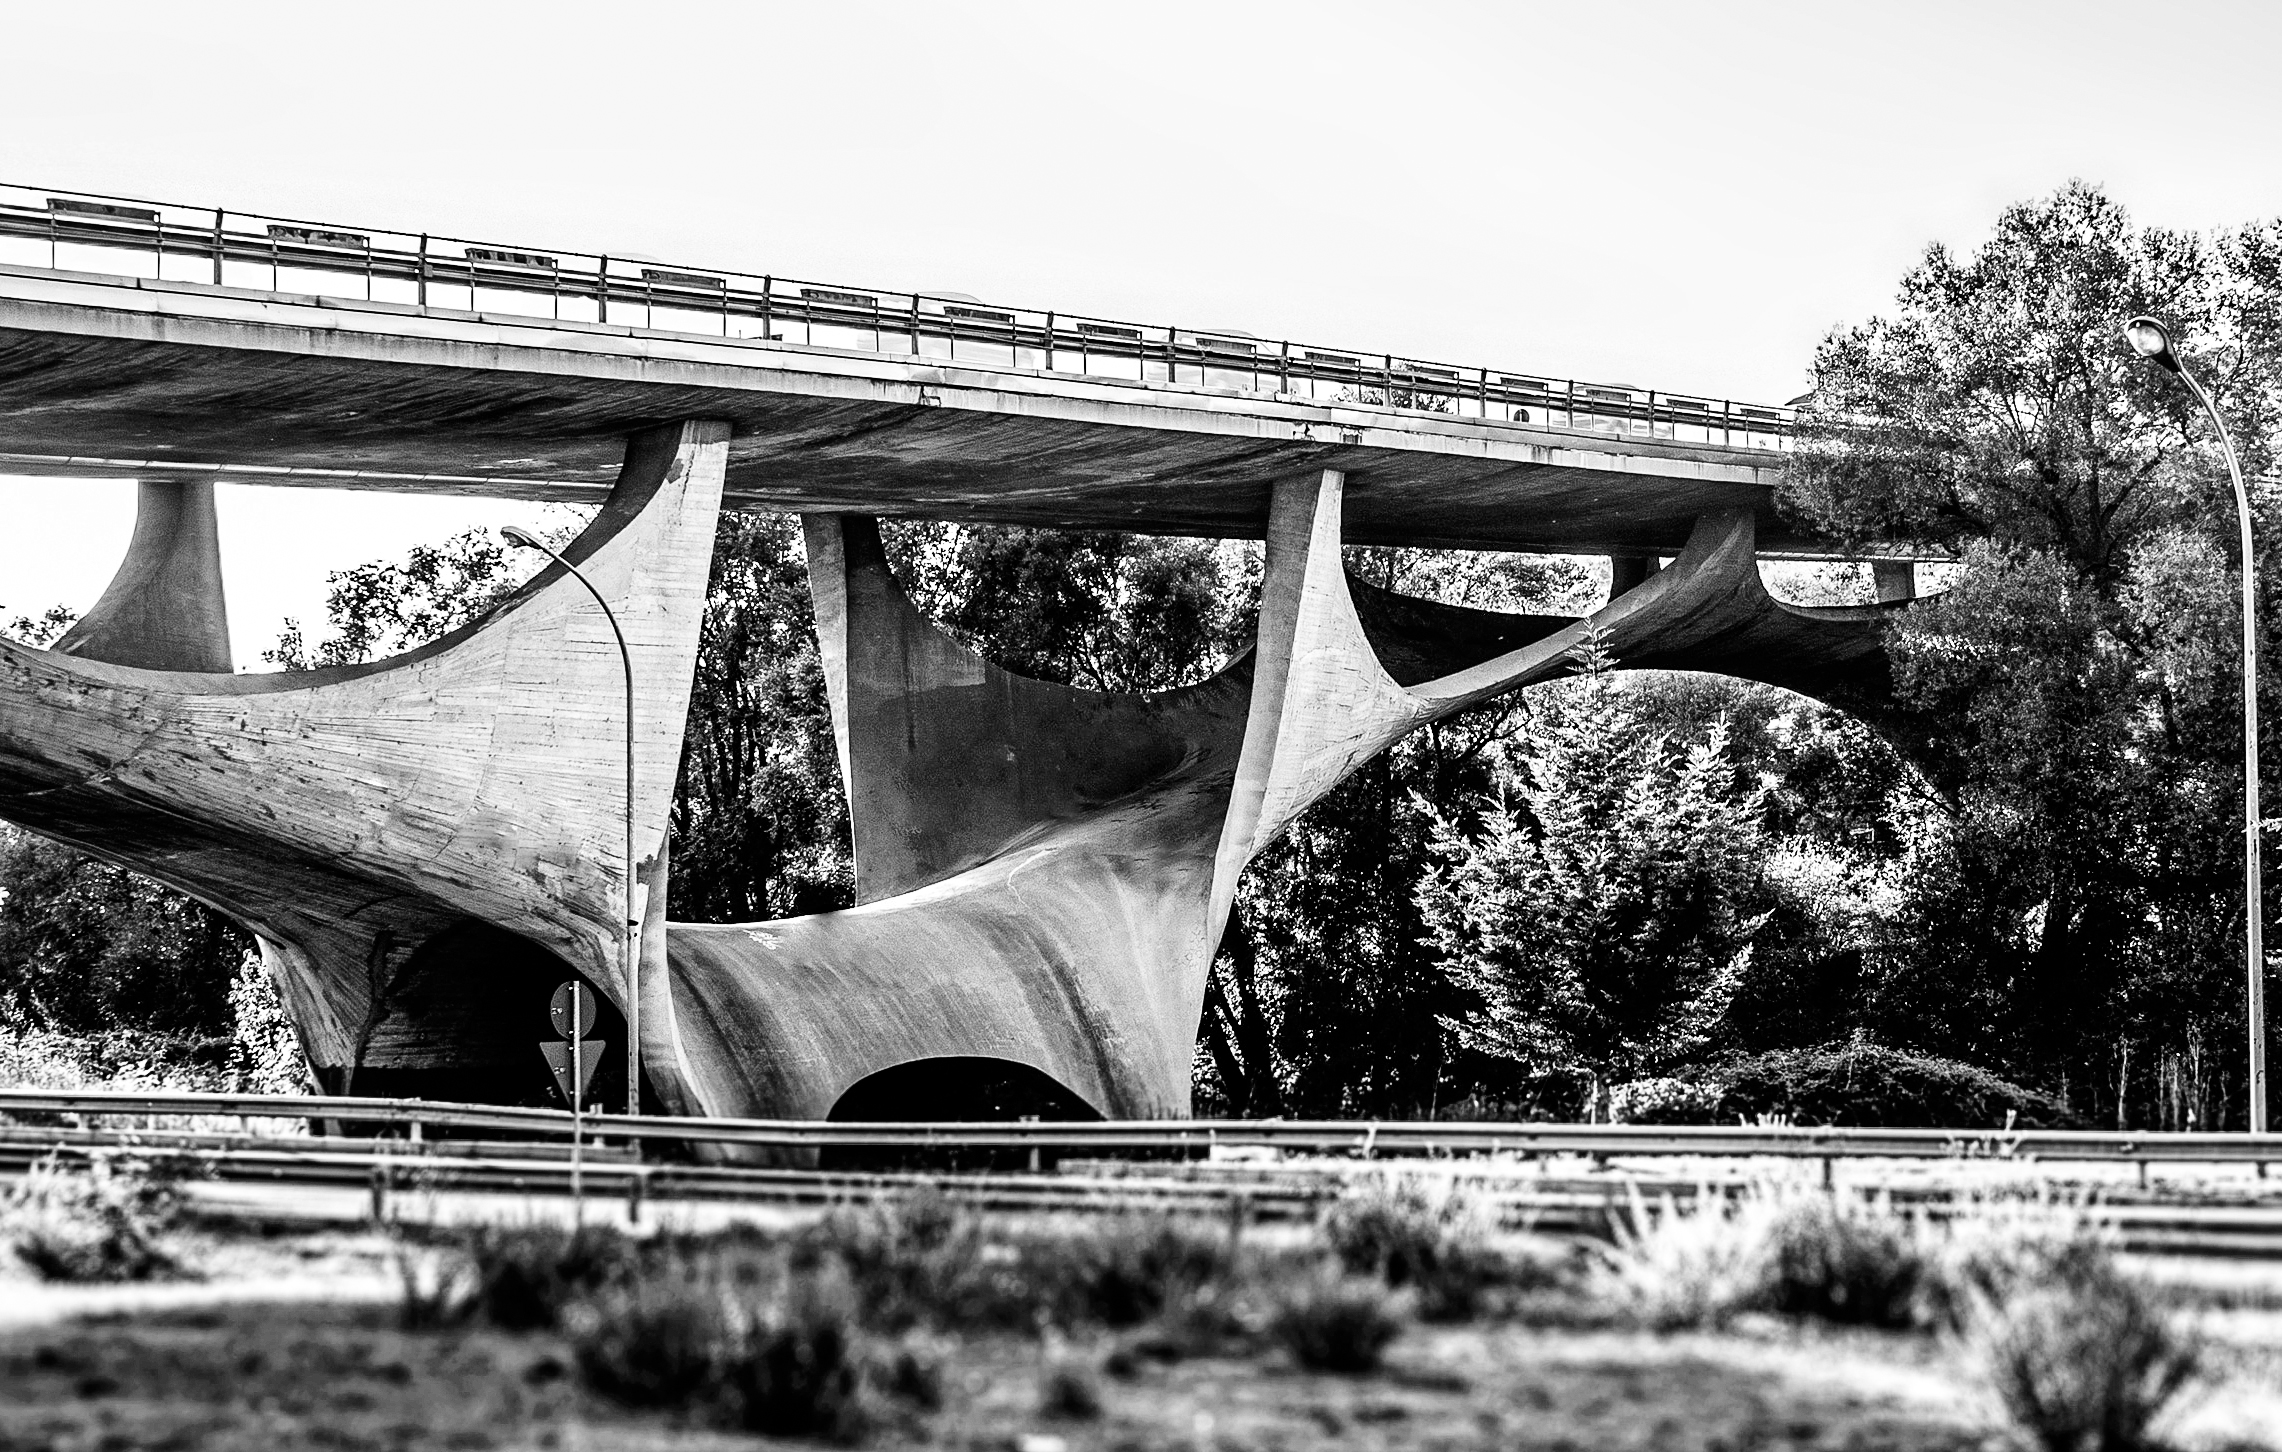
<point>559,1009</point>
<point>558,1054</point>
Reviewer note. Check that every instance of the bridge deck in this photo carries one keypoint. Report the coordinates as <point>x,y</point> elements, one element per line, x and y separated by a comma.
<point>110,374</point>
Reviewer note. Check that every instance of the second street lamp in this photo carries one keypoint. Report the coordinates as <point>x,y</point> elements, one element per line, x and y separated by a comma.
<point>2152,341</point>
<point>628,947</point>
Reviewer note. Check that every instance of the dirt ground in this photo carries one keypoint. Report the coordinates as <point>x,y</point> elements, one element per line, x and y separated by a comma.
<point>294,1342</point>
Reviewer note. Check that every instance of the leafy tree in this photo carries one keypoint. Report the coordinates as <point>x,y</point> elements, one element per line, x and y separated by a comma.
<point>759,819</point>
<point>85,946</point>
<point>381,608</point>
<point>1603,915</point>
<point>2061,899</point>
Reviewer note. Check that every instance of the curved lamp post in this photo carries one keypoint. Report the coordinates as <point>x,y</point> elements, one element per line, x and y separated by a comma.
<point>628,948</point>
<point>2152,341</point>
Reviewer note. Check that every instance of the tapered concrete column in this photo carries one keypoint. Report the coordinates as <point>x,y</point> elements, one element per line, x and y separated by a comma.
<point>1629,572</point>
<point>164,610</point>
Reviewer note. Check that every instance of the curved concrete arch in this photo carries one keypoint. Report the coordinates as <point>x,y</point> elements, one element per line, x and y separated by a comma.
<point>350,814</point>
<point>1044,872</point>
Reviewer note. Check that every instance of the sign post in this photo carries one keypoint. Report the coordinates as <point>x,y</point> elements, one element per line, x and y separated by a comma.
<point>572,1059</point>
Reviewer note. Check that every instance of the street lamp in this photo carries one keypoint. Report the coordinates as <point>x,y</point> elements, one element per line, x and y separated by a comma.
<point>629,950</point>
<point>2152,341</point>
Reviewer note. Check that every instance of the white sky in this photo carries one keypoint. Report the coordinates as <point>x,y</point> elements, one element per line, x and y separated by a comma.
<point>1676,194</point>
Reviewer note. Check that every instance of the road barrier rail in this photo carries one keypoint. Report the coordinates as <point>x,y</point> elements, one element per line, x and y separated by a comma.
<point>166,242</point>
<point>1182,1137</point>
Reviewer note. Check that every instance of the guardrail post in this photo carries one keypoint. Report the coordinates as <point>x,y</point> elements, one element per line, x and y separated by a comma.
<point>380,1194</point>
<point>218,248</point>
<point>637,1185</point>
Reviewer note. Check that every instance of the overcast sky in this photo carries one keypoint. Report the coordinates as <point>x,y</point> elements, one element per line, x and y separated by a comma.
<point>1678,195</point>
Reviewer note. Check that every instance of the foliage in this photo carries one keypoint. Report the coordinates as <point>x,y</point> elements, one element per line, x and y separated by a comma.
<point>2060,904</point>
<point>1864,1084</point>
<point>1338,1323</point>
<point>1847,1261</point>
<point>265,1049</point>
<point>1325,999</point>
<point>654,1340</point>
<point>1663,1100</point>
<point>1606,916</point>
<point>525,1275</point>
<point>87,947</point>
<point>1069,1393</point>
<point>381,609</point>
<point>759,820</point>
<point>2083,1360</point>
<point>1431,1239</point>
<point>108,1222</point>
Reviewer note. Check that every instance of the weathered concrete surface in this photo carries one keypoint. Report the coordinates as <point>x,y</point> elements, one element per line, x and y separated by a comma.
<point>417,840</point>
<point>148,379</point>
<point>1043,872</point>
<point>165,609</point>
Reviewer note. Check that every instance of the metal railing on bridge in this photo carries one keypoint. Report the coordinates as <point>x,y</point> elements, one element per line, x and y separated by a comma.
<point>84,232</point>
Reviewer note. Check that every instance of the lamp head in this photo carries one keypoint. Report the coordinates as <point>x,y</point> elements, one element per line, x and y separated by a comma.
<point>516,534</point>
<point>2152,341</point>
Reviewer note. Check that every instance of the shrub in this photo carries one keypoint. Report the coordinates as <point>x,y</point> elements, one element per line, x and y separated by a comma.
<point>1070,1393</point>
<point>1845,1260</point>
<point>796,1367</point>
<point>2082,1360</point>
<point>1863,1084</point>
<point>438,1289</point>
<point>1665,1101</point>
<point>653,1340</point>
<point>1432,1239</point>
<point>526,1274</point>
<point>918,1259</point>
<point>2004,1249</point>
<point>1127,1268</point>
<point>106,1223</point>
<point>1692,1263</point>
<point>1338,1323</point>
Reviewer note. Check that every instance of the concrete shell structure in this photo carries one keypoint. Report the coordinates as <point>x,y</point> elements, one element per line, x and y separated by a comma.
<point>426,845</point>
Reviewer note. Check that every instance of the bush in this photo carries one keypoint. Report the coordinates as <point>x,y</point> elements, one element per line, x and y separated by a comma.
<point>106,1223</point>
<point>1692,1263</point>
<point>2082,1360</point>
<point>1432,1239</point>
<point>788,1358</point>
<point>526,1274</point>
<point>1127,1268</point>
<point>796,1367</point>
<point>918,1259</point>
<point>1794,1253</point>
<point>1863,1084</point>
<point>1846,1261</point>
<point>1069,1393</point>
<point>654,1340</point>
<point>1338,1323</point>
<point>1665,1101</point>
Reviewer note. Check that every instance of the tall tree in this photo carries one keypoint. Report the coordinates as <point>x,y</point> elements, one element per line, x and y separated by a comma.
<point>1603,911</point>
<point>2063,898</point>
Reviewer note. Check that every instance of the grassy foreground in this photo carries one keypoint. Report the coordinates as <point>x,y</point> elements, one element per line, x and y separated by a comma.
<point>1404,1319</point>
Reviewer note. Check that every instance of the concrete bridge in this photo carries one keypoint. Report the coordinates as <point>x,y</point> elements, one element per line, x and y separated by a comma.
<point>425,845</point>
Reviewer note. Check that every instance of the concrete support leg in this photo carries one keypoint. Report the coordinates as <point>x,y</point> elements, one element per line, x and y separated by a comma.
<point>164,610</point>
<point>1629,572</point>
<point>425,843</point>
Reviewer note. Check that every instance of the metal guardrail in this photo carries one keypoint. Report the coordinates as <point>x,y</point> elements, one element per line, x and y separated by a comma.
<point>1194,1136</point>
<point>88,232</point>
